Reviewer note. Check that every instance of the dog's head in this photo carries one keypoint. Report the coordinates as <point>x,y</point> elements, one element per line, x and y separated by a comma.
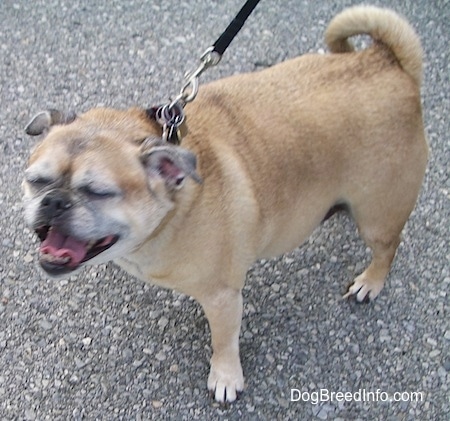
<point>99,184</point>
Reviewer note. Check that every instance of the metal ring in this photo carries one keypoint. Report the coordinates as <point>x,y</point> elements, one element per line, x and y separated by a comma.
<point>210,57</point>
<point>179,100</point>
<point>170,114</point>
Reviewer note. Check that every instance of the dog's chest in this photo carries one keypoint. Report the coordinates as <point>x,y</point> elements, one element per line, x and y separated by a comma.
<point>131,267</point>
<point>149,273</point>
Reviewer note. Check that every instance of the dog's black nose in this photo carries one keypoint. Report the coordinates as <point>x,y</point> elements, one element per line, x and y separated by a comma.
<point>55,203</point>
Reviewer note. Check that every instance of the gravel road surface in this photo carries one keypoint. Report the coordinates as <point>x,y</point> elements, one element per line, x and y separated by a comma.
<point>103,346</point>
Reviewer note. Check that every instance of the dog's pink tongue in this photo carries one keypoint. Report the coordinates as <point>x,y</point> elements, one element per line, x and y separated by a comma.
<point>58,245</point>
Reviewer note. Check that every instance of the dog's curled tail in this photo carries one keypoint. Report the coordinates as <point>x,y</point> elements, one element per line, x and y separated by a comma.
<point>384,26</point>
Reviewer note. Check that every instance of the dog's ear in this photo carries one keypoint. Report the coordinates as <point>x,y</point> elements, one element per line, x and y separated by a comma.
<point>171,163</point>
<point>42,121</point>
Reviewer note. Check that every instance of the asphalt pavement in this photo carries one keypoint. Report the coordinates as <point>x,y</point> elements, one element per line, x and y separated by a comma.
<point>104,346</point>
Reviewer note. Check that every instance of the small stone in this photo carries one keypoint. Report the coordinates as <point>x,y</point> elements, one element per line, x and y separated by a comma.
<point>160,356</point>
<point>6,243</point>
<point>86,341</point>
<point>315,410</point>
<point>28,258</point>
<point>30,415</point>
<point>324,410</point>
<point>447,335</point>
<point>432,342</point>
<point>435,353</point>
<point>283,402</point>
<point>275,287</point>
<point>410,327</point>
<point>106,331</point>
<point>173,368</point>
<point>302,272</point>
<point>163,322</point>
<point>79,363</point>
<point>442,373</point>
<point>45,324</point>
<point>138,363</point>
<point>157,404</point>
<point>384,335</point>
<point>447,364</point>
<point>74,379</point>
<point>127,354</point>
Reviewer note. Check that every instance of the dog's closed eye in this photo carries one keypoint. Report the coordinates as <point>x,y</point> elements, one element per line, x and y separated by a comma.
<point>39,182</point>
<point>95,193</point>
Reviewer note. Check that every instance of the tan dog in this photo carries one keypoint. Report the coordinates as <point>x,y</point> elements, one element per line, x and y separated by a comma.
<point>276,150</point>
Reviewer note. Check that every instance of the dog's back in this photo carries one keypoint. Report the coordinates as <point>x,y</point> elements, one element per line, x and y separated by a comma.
<point>310,124</point>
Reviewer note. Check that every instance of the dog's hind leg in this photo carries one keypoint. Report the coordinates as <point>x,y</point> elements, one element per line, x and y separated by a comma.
<point>380,219</point>
<point>382,201</point>
<point>371,281</point>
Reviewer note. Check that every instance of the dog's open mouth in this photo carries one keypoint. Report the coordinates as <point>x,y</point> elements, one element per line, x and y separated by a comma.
<point>60,253</point>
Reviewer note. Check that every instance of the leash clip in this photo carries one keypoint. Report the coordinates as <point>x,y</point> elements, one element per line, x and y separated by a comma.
<point>171,115</point>
<point>189,90</point>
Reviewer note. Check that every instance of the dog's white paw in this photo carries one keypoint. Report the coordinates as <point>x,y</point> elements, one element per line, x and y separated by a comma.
<point>225,381</point>
<point>363,287</point>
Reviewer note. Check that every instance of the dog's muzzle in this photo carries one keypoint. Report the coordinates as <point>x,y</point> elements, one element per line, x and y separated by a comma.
<point>60,251</point>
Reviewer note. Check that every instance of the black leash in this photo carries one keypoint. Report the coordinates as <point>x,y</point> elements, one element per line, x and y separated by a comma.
<point>234,27</point>
<point>171,116</point>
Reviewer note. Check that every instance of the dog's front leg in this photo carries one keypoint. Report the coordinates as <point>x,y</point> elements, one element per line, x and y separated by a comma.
<point>223,309</point>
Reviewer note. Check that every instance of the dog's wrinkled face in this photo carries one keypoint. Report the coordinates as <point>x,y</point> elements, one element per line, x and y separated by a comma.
<point>98,185</point>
